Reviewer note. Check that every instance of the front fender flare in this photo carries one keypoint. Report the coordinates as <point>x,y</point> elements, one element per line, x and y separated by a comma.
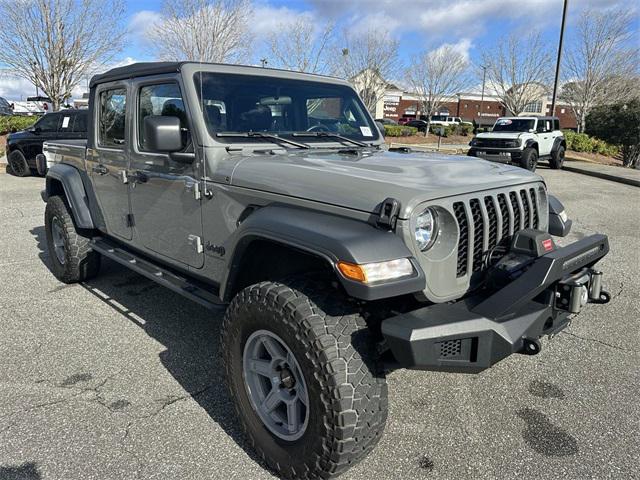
<point>74,191</point>
<point>330,237</point>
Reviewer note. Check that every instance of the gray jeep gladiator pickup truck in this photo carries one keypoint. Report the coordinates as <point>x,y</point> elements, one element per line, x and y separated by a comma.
<point>270,194</point>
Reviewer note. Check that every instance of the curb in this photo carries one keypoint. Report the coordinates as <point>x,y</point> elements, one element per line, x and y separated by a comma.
<point>604,176</point>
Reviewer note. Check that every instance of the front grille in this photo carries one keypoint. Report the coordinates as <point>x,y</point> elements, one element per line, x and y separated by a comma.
<point>485,221</point>
<point>494,143</point>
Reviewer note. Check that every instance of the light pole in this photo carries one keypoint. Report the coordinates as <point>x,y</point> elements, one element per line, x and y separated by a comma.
<point>555,82</point>
<point>264,62</point>
<point>484,77</point>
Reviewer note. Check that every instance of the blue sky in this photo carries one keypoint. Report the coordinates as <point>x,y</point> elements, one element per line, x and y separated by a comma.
<point>470,25</point>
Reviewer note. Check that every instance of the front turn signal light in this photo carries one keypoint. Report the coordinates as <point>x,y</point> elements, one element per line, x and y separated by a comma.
<point>377,272</point>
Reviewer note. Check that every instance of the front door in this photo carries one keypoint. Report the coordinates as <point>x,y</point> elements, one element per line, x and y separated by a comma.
<point>107,163</point>
<point>165,192</point>
<point>545,136</point>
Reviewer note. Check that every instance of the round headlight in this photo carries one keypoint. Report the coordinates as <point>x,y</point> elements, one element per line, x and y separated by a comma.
<point>426,229</point>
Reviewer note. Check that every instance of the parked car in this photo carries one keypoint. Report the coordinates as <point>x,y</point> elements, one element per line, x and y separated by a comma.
<point>5,107</point>
<point>421,125</point>
<point>446,120</point>
<point>24,146</point>
<point>386,121</point>
<point>522,141</point>
<point>330,253</point>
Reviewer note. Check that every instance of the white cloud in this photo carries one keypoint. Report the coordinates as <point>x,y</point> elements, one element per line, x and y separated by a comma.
<point>267,19</point>
<point>142,22</point>
<point>15,88</point>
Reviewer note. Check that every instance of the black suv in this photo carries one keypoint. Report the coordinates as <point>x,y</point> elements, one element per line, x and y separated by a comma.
<point>22,147</point>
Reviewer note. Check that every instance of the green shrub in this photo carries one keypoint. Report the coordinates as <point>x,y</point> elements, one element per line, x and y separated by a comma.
<point>618,125</point>
<point>15,123</point>
<point>399,131</point>
<point>581,142</point>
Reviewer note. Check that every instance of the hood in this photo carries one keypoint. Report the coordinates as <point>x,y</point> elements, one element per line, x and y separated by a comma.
<point>363,181</point>
<point>503,135</point>
<point>20,135</point>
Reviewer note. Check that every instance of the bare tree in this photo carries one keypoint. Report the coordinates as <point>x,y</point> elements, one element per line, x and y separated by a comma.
<point>599,65</point>
<point>518,70</point>
<point>368,60</point>
<point>203,30</point>
<point>301,45</point>
<point>55,44</point>
<point>435,75</point>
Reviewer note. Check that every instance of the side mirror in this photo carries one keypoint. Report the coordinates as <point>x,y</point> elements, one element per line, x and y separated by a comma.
<point>37,130</point>
<point>381,128</point>
<point>163,134</point>
<point>532,130</point>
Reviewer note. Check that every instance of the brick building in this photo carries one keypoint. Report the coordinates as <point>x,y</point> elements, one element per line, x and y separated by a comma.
<point>472,107</point>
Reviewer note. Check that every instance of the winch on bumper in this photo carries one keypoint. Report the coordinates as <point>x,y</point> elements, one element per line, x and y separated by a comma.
<point>530,298</point>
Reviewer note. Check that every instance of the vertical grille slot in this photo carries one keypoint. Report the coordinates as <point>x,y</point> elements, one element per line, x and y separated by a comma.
<point>478,234</point>
<point>534,211</point>
<point>463,242</point>
<point>517,225</point>
<point>525,208</point>
<point>493,221</point>
<point>504,210</point>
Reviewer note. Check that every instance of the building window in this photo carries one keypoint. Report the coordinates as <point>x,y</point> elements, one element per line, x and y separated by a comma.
<point>534,107</point>
<point>488,107</point>
<point>562,110</point>
<point>465,105</point>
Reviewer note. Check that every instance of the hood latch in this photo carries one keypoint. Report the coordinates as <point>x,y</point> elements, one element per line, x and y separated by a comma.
<point>388,214</point>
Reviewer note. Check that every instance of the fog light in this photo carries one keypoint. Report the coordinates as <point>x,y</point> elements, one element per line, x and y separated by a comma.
<point>377,272</point>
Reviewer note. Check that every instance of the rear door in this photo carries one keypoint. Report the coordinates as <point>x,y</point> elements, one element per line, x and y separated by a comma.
<point>165,192</point>
<point>45,129</point>
<point>108,162</point>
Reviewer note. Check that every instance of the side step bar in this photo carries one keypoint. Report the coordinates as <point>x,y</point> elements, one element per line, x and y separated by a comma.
<point>158,274</point>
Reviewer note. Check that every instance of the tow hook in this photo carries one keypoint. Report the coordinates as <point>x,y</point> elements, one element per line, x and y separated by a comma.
<point>530,346</point>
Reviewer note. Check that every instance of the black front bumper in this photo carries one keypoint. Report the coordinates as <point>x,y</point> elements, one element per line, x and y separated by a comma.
<point>473,334</point>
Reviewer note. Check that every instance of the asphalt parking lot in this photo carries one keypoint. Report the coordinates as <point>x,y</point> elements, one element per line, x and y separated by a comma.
<point>119,378</point>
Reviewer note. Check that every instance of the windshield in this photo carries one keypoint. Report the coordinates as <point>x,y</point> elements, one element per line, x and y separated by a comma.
<point>243,104</point>
<point>513,125</point>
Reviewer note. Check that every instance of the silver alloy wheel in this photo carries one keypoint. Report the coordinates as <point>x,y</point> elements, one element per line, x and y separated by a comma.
<point>275,385</point>
<point>58,239</point>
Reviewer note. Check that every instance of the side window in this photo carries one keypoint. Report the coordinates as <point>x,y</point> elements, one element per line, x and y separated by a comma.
<point>556,124</point>
<point>547,126</point>
<point>540,126</point>
<point>66,124</point>
<point>80,124</point>
<point>112,117</point>
<point>48,123</point>
<point>164,100</point>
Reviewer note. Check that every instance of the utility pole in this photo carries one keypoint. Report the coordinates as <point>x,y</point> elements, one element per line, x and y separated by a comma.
<point>555,82</point>
<point>484,77</point>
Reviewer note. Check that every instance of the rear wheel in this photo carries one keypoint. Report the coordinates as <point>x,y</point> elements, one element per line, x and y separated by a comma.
<point>529,159</point>
<point>18,164</point>
<point>557,158</point>
<point>302,368</point>
<point>71,257</point>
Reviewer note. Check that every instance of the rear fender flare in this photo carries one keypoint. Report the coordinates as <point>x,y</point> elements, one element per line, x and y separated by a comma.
<point>74,191</point>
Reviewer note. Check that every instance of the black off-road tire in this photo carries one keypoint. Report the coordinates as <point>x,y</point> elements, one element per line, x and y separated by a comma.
<point>80,261</point>
<point>18,163</point>
<point>557,159</point>
<point>529,159</point>
<point>337,355</point>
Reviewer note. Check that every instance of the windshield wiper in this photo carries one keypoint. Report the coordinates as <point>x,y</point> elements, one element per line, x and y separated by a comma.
<point>331,135</point>
<point>268,136</point>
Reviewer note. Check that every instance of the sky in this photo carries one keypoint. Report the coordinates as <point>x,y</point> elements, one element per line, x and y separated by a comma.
<point>470,25</point>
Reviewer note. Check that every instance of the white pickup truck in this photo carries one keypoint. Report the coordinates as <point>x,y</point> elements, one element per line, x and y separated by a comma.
<point>522,141</point>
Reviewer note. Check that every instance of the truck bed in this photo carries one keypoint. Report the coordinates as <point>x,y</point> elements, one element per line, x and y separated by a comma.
<point>65,151</point>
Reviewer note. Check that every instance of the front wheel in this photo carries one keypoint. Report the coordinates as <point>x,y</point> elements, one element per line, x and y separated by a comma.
<point>302,368</point>
<point>529,159</point>
<point>71,258</point>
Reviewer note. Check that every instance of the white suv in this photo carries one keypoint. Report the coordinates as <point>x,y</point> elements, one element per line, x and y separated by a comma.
<point>522,141</point>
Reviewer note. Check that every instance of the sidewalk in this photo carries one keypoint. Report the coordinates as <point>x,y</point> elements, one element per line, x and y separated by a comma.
<point>629,176</point>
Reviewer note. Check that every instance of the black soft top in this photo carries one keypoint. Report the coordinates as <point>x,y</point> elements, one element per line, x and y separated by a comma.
<point>135,70</point>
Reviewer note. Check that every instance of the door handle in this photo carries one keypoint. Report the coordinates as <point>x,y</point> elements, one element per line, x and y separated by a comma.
<point>100,170</point>
<point>139,177</point>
